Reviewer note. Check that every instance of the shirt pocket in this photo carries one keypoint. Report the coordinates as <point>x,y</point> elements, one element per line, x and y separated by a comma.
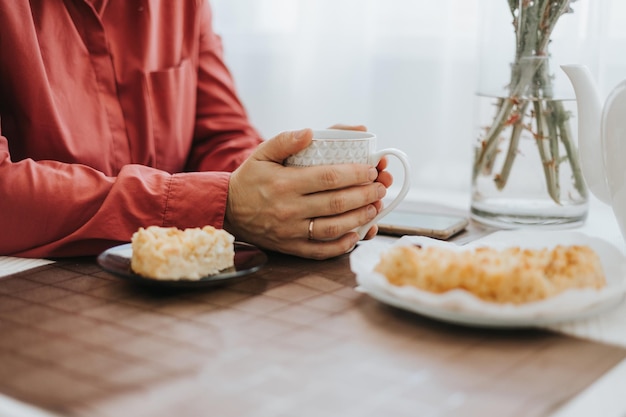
<point>172,104</point>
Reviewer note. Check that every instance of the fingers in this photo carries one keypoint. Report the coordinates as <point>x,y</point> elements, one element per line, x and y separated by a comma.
<point>344,201</point>
<point>270,205</point>
<point>315,249</point>
<point>325,250</point>
<point>284,144</point>
<point>349,127</point>
<point>385,178</point>
<point>382,164</point>
<point>327,228</point>
<point>371,233</point>
<point>332,177</point>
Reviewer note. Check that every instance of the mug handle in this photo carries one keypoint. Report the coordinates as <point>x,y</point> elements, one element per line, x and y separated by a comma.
<point>406,185</point>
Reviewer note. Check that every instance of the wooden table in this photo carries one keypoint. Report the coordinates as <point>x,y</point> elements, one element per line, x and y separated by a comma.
<point>294,339</point>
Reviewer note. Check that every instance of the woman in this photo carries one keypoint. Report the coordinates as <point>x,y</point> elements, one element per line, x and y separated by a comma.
<point>116,114</point>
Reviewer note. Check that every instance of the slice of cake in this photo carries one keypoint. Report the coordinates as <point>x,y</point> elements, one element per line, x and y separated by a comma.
<point>168,253</point>
<point>513,275</point>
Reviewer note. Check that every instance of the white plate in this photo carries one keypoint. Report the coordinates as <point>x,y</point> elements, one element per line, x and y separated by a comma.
<point>461,307</point>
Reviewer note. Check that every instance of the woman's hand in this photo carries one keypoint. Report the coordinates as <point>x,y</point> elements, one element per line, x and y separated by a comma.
<point>271,206</point>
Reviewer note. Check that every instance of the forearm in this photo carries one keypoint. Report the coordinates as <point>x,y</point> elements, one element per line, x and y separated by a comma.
<point>51,209</point>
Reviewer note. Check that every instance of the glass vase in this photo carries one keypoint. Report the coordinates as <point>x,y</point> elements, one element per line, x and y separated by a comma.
<point>526,169</point>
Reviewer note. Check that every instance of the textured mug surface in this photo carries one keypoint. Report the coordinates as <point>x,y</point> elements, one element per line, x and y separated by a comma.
<point>332,146</point>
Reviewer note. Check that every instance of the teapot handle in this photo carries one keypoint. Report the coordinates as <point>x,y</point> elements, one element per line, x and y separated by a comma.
<point>613,139</point>
<point>589,118</point>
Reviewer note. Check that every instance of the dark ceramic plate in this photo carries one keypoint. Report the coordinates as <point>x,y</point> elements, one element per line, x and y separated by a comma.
<point>248,259</point>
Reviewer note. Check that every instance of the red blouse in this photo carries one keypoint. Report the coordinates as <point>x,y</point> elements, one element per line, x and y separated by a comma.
<point>110,121</point>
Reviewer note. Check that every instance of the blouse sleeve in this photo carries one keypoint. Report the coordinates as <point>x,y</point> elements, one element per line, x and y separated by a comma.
<point>224,136</point>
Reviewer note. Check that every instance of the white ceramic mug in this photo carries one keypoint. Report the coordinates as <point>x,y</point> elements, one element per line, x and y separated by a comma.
<point>336,146</point>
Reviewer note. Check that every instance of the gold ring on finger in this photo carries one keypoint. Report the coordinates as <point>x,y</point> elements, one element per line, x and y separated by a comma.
<point>311,229</point>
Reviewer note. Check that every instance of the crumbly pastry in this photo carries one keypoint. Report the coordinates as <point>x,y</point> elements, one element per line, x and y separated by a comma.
<point>168,253</point>
<point>511,275</point>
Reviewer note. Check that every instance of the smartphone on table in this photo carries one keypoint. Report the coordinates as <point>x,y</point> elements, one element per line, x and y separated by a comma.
<point>438,226</point>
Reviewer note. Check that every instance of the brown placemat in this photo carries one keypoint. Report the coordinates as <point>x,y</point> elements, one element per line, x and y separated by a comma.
<point>294,339</point>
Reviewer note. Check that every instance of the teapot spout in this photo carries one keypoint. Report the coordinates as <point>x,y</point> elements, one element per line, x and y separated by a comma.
<point>590,145</point>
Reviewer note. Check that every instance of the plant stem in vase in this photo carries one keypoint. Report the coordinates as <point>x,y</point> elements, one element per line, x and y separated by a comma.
<point>526,168</point>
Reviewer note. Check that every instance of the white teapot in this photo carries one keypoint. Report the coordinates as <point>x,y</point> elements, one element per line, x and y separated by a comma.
<point>602,140</point>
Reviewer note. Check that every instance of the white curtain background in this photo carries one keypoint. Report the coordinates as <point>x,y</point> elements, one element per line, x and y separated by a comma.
<point>407,69</point>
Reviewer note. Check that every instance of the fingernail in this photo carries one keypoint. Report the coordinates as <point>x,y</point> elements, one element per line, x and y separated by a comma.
<point>372,174</point>
<point>299,134</point>
<point>371,212</point>
<point>382,191</point>
<point>355,240</point>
